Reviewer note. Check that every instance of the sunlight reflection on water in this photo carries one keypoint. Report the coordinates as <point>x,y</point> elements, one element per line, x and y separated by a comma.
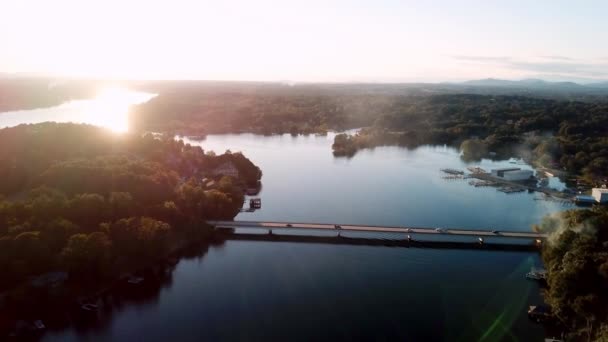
<point>108,109</point>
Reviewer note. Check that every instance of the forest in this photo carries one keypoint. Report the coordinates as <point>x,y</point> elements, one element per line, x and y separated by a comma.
<point>576,258</point>
<point>572,136</point>
<point>94,203</point>
<point>20,93</point>
<point>561,131</point>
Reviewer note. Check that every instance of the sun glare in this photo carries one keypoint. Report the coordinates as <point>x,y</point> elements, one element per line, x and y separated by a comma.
<point>110,108</point>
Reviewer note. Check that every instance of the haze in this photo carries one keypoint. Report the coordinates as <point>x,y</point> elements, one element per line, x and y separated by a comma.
<point>378,41</point>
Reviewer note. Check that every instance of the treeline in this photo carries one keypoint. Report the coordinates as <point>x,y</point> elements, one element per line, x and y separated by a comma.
<point>259,108</point>
<point>83,199</point>
<point>568,135</point>
<point>576,258</point>
<point>555,133</point>
<point>30,93</point>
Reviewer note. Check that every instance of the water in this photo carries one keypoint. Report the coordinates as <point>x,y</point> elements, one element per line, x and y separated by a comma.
<point>108,109</point>
<point>304,182</point>
<point>270,291</point>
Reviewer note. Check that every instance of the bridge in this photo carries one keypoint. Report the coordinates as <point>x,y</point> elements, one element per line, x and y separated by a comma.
<point>378,229</point>
<point>359,241</point>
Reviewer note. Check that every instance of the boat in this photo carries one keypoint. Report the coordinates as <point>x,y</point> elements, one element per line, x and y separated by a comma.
<point>476,169</point>
<point>539,313</point>
<point>88,307</point>
<point>537,274</point>
<point>135,280</point>
<point>39,325</point>
<point>453,171</point>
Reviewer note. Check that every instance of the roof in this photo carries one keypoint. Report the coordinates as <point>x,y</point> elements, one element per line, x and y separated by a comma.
<point>602,190</point>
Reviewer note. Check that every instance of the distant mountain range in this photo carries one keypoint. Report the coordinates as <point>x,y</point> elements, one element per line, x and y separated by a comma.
<point>534,84</point>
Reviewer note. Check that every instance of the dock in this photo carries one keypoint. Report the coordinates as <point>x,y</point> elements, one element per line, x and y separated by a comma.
<point>515,185</point>
<point>453,171</point>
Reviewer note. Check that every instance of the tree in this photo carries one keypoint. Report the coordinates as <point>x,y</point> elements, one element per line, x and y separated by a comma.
<point>121,204</point>
<point>56,233</point>
<point>87,253</point>
<point>29,248</point>
<point>473,149</point>
<point>576,262</point>
<point>88,209</point>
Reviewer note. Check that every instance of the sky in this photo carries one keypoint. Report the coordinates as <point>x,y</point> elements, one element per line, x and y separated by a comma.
<point>312,40</point>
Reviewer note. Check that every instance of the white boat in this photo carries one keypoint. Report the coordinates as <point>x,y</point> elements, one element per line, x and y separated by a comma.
<point>89,307</point>
<point>135,280</point>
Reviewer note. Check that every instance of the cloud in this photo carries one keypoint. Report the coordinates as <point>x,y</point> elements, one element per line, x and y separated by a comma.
<point>558,58</point>
<point>580,69</point>
<point>482,58</point>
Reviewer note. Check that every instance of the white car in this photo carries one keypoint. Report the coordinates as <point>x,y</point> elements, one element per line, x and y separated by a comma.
<point>440,230</point>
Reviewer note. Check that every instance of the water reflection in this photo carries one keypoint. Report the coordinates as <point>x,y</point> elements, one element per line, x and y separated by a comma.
<point>68,321</point>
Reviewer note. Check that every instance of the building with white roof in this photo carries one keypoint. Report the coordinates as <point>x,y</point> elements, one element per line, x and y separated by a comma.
<point>600,195</point>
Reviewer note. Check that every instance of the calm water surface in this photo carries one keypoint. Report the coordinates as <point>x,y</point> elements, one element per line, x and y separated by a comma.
<point>268,291</point>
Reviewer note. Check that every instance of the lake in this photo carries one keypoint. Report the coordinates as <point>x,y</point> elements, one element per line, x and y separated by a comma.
<point>108,109</point>
<point>276,291</point>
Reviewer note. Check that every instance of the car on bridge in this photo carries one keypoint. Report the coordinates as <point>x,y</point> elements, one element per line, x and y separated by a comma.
<point>408,230</point>
<point>440,230</point>
<point>495,232</point>
<point>288,225</point>
<point>337,226</point>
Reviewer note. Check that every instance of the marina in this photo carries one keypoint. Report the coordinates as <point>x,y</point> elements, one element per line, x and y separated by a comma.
<point>510,180</point>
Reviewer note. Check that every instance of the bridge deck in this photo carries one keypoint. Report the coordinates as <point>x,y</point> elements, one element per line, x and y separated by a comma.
<point>342,240</point>
<point>382,229</point>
